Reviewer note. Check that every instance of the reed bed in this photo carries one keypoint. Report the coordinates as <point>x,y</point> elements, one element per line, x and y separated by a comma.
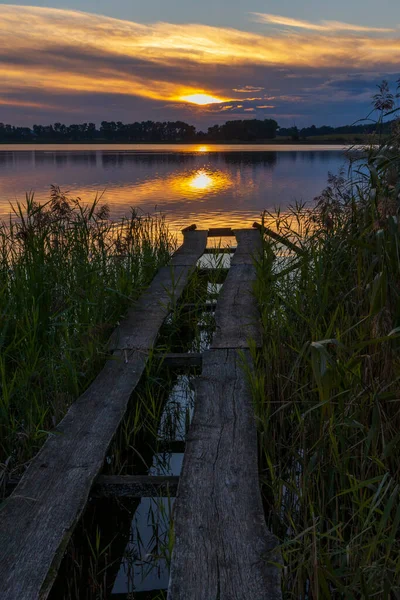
<point>326,386</point>
<point>67,274</point>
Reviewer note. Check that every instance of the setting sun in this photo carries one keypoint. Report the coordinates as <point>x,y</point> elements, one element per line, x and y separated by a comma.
<point>201,99</point>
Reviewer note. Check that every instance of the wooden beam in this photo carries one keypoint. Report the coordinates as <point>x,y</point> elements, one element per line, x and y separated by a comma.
<point>134,486</point>
<point>179,359</point>
<point>221,232</point>
<point>37,520</point>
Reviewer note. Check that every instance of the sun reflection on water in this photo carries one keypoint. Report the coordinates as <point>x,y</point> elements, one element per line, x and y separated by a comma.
<point>201,181</point>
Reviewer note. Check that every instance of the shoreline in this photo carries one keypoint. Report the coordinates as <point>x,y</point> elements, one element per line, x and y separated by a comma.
<point>275,142</point>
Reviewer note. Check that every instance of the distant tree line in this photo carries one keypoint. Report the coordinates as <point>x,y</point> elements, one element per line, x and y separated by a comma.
<point>367,128</point>
<point>145,131</point>
<point>246,130</point>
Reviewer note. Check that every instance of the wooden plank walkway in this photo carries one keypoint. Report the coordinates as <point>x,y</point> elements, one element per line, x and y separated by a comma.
<point>223,549</point>
<point>37,520</point>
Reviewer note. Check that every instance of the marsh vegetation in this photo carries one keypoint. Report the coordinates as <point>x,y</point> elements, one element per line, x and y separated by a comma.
<point>68,274</point>
<point>327,390</point>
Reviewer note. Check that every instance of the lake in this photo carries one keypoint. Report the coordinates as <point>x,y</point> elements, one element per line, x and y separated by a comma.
<point>211,185</point>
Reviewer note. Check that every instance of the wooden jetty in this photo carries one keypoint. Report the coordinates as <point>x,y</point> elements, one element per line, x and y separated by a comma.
<point>223,549</point>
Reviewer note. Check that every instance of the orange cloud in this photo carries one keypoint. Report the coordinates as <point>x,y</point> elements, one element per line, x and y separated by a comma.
<point>69,51</point>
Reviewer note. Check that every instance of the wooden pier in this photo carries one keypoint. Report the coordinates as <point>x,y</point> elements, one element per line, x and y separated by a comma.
<point>223,548</point>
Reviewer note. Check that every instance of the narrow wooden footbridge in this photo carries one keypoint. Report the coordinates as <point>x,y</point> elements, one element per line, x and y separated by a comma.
<point>223,549</point>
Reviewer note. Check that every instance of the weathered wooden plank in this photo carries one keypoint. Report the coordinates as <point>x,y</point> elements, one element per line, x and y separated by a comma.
<point>236,315</point>
<point>180,359</point>
<point>134,486</point>
<point>161,297</point>
<point>189,253</point>
<point>223,548</point>
<point>37,520</point>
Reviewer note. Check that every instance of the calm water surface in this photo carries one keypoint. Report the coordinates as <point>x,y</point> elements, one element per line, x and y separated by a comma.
<point>208,185</point>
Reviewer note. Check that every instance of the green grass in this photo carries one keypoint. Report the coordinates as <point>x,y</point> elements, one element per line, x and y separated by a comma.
<point>326,388</point>
<point>67,275</point>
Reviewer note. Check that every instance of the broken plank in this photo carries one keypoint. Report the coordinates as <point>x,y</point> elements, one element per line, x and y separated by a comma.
<point>180,359</point>
<point>37,520</point>
<point>134,486</point>
<point>223,548</point>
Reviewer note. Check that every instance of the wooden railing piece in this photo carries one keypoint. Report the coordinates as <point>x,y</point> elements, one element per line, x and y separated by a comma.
<point>223,549</point>
<point>37,520</point>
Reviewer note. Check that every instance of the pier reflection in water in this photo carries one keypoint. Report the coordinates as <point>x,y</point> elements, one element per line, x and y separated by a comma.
<point>210,185</point>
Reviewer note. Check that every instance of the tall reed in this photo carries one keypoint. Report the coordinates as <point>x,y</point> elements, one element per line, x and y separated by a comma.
<point>326,387</point>
<point>67,275</point>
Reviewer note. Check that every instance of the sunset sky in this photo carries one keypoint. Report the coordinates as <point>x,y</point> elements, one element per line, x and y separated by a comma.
<point>203,62</point>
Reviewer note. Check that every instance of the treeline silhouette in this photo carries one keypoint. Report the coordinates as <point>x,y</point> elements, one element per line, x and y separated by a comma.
<point>145,131</point>
<point>367,128</point>
<point>247,130</point>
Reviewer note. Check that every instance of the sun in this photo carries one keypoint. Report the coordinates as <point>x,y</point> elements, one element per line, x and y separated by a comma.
<point>201,99</point>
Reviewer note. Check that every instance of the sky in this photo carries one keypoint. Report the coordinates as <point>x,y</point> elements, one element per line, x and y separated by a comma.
<point>203,61</point>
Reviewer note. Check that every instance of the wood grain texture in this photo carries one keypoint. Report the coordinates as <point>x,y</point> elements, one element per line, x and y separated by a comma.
<point>236,315</point>
<point>223,549</point>
<point>37,520</point>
